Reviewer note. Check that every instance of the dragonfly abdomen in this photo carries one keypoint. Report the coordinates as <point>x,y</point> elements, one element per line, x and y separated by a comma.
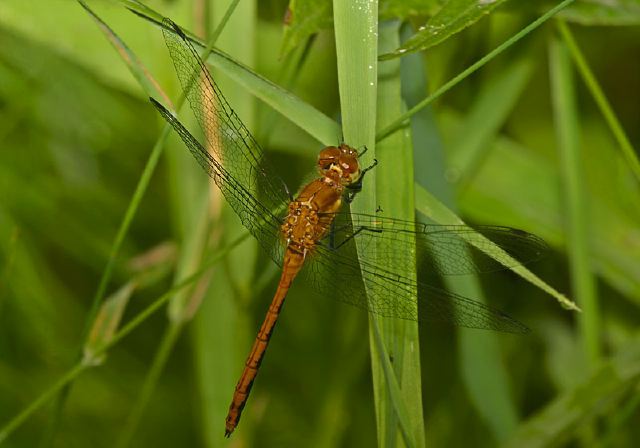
<point>292,264</point>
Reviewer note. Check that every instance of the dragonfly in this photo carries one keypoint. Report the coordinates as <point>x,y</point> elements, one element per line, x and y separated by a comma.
<point>361,259</point>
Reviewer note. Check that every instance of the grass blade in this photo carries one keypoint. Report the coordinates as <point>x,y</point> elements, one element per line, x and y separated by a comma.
<point>394,394</point>
<point>482,367</point>
<point>453,17</point>
<point>138,70</point>
<point>439,213</point>
<point>356,30</point>
<point>600,99</point>
<point>567,131</point>
<point>394,192</point>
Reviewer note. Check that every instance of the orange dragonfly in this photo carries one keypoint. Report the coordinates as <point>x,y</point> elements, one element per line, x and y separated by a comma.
<point>310,234</point>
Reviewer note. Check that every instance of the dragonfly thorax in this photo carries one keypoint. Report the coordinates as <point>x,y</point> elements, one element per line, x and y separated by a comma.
<point>339,163</point>
<point>302,226</point>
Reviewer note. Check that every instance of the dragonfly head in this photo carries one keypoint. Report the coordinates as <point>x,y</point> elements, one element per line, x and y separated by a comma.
<point>339,163</point>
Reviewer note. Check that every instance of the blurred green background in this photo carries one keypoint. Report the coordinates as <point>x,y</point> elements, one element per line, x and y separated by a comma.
<point>521,142</point>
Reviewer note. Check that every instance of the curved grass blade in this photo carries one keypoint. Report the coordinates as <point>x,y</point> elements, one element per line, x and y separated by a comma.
<point>601,100</point>
<point>138,70</point>
<point>453,17</point>
<point>439,213</point>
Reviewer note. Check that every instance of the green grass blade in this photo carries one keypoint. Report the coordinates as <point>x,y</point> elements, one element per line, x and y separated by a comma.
<point>394,391</point>
<point>453,17</point>
<point>481,364</point>
<point>600,99</point>
<point>142,75</point>
<point>356,47</point>
<point>394,192</point>
<point>567,131</point>
<point>356,29</point>
<point>402,119</point>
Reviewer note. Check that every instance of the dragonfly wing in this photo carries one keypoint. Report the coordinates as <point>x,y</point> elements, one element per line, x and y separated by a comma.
<point>260,221</point>
<point>442,249</point>
<point>387,290</point>
<point>231,156</point>
<point>228,139</point>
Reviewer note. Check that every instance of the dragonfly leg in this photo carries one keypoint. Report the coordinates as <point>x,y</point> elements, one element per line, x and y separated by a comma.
<point>332,235</point>
<point>356,187</point>
<point>333,232</point>
<point>353,235</point>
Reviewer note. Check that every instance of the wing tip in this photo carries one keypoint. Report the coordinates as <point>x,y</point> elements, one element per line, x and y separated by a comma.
<point>158,105</point>
<point>171,25</point>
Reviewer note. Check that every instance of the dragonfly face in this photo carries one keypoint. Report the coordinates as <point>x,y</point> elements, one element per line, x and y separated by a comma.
<point>340,164</point>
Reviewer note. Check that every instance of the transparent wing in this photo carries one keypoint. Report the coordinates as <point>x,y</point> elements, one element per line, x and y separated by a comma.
<point>452,249</point>
<point>263,224</point>
<point>380,282</point>
<point>231,156</point>
<point>236,163</point>
<point>228,139</point>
